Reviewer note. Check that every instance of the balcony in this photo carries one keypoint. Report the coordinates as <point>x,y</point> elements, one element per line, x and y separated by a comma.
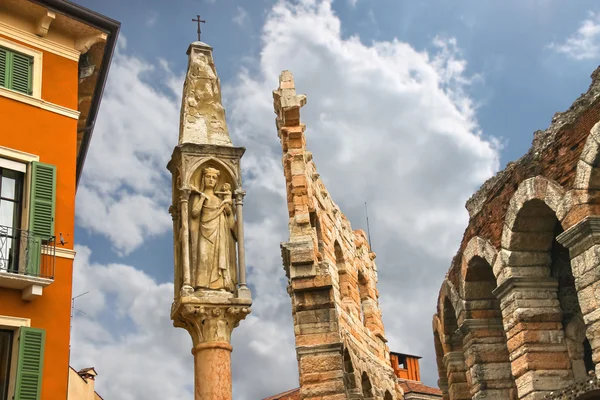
<point>27,261</point>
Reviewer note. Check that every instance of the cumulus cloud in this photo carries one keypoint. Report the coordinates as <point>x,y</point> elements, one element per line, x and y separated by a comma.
<point>124,193</point>
<point>584,44</point>
<point>387,124</point>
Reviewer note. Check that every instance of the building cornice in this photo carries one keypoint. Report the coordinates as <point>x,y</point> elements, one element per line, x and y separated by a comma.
<point>581,236</point>
<point>39,42</point>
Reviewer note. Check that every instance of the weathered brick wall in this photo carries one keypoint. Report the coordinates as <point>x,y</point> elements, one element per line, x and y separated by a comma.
<point>554,154</point>
<point>340,339</point>
<point>520,301</point>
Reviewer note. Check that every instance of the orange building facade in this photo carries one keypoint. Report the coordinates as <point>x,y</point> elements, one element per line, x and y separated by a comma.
<point>54,58</point>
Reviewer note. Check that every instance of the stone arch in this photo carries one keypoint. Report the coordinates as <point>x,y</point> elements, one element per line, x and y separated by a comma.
<point>349,376</point>
<point>388,395</point>
<point>454,361</point>
<point>439,356</point>
<point>587,175</point>
<point>365,384</point>
<point>529,288</point>
<point>449,291</point>
<point>194,172</point>
<point>486,351</point>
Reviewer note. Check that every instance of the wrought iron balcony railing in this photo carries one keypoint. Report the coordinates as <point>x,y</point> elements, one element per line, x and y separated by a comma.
<point>26,253</point>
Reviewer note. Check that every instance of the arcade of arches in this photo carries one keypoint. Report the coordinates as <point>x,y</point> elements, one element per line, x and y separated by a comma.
<point>517,315</point>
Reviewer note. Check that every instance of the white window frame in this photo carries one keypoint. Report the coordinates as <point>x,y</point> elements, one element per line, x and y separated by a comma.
<point>36,72</point>
<point>11,156</point>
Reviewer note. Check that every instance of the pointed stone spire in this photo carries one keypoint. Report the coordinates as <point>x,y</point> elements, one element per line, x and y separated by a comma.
<point>202,113</point>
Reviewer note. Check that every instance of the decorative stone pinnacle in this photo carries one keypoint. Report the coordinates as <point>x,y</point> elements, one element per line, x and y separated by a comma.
<point>202,113</point>
<point>287,103</point>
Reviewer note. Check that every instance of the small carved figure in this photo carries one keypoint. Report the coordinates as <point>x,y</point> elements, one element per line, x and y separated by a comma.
<point>212,227</point>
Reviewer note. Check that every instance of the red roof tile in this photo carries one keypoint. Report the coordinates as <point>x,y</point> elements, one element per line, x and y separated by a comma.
<point>418,387</point>
<point>293,394</point>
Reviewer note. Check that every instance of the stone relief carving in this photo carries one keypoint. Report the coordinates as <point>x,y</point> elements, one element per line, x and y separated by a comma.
<point>212,233</point>
<point>203,116</point>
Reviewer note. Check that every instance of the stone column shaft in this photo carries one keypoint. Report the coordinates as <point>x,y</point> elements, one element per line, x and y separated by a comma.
<point>583,242</point>
<point>210,319</point>
<point>487,359</point>
<point>212,365</point>
<point>458,387</point>
<point>535,338</point>
<point>185,239</point>
<point>239,203</point>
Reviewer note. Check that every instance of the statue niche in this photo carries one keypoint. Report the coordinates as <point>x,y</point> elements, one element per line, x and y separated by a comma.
<point>213,233</point>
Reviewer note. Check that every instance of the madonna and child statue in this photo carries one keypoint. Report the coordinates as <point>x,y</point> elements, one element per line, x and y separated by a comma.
<point>212,234</point>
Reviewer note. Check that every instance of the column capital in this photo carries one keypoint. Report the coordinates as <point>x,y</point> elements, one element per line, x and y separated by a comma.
<point>582,235</point>
<point>454,358</point>
<point>209,317</point>
<point>184,194</point>
<point>239,196</point>
<point>525,283</point>
<point>472,324</point>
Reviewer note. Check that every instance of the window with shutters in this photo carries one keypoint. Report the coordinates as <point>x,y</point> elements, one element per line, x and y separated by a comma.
<point>21,362</point>
<point>27,204</point>
<point>20,71</point>
<point>16,71</point>
<point>11,196</point>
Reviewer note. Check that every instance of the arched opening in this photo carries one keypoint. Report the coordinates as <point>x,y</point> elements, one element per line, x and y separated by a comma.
<point>546,293</point>
<point>388,395</point>
<point>486,351</point>
<point>367,389</point>
<point>572,318</point>
<point>458,386</point>
<point>439,359</point>
<point>363,292</point>
<point>349,377</point>
<point>348,291</point>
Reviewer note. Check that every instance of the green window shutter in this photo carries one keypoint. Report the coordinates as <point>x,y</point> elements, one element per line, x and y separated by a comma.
<point>42,200</point>
<point>34,255</point>
<point>16,71</point>
<point>21,73</point>
<point>3,67</point>
<point>30,364</point>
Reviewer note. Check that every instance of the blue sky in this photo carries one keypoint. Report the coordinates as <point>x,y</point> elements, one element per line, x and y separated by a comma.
<point>411,106</point>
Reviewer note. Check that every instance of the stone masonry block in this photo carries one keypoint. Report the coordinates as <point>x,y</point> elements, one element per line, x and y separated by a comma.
<point>326,362</point>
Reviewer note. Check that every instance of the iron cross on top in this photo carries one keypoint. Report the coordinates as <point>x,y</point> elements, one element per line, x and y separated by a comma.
<point>198,20</point>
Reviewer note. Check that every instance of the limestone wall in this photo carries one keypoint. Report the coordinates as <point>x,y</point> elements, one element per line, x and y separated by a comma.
<point>517,315</point>
<point>340,338</point>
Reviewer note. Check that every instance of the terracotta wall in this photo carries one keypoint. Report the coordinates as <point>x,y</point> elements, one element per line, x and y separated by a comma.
<point>53,138</point>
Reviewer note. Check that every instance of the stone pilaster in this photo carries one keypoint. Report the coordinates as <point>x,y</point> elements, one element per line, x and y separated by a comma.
<point>458,387</point>
<point>487,359</point>
<point>583,242</point>
<point>210,319</point>
<point>532,321</point>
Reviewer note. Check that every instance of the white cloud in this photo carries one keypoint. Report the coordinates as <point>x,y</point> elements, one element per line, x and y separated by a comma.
<point>127,334</point>
<point>124,193</point>
<point>241,16</point>
<point>387,124</point>
<point>352,3</point>
<point>583,44</point>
